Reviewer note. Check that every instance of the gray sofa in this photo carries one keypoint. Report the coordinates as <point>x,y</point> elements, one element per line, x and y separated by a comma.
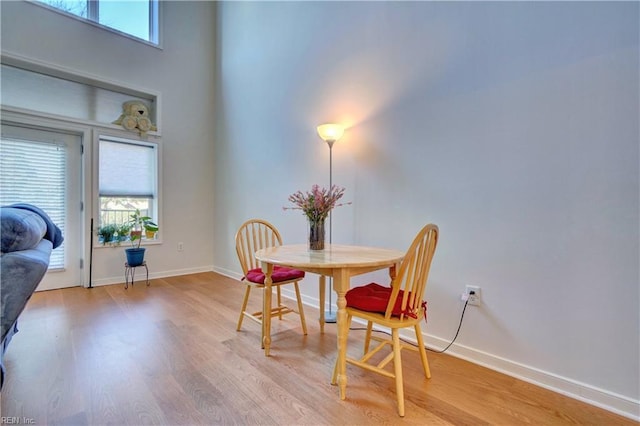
<point>27,237</point>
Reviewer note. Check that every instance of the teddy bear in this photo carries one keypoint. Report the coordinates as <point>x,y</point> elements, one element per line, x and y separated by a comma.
<point>135,115</point>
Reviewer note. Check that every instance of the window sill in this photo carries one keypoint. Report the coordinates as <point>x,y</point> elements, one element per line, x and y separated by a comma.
<point>126,244</point>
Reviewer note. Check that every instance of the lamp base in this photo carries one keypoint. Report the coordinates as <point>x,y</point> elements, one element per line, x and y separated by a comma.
<point>329,317</point>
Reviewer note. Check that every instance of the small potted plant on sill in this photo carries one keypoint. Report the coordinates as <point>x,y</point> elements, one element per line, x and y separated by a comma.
<point>106,233</point>
<point>150,229</point>
<point>135,254</point>
<point>123,232</point>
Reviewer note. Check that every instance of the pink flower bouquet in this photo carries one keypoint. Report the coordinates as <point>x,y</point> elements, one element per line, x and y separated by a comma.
<point>317,204</point>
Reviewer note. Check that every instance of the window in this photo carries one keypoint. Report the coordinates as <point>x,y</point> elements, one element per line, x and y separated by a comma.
<point>33,171</point>
<point>127,180</point>
<point>138,18</point>
<point>72,96</point>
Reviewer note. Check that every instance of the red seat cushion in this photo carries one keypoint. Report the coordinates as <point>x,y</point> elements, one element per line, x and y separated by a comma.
<point>373,298</point>
<point>280,273</point>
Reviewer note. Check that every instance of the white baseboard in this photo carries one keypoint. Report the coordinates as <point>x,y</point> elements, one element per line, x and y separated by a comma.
<point>584,392</point>
<point>152,275</point>
<point>592,395</point>
<point>227,273</point>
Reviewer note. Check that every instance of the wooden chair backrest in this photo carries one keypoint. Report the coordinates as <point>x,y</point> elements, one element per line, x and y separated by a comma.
<point>413,273</point>
<point>253,235</point>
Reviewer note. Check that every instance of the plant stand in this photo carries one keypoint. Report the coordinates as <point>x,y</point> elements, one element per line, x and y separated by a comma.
<point>130,271</point>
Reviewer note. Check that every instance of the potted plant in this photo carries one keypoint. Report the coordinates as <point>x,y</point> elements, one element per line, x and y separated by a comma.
<point>150,229</point>
<point>135,254</point>
<point>123,232</point>
<point>107,232</point>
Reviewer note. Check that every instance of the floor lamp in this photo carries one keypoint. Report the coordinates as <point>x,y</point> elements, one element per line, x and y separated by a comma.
<point>330,133</point>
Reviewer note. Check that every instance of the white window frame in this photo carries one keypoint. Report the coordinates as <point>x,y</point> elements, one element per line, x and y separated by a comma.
<point>131,138</point>
<point>155,17</point>
<point>151,98</point>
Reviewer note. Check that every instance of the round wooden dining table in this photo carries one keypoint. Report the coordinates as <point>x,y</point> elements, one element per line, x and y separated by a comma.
<point>341,262</point>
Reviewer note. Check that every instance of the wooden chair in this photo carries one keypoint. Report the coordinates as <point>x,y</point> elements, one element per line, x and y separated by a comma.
<point>398,306</point>
<point>253,235</point>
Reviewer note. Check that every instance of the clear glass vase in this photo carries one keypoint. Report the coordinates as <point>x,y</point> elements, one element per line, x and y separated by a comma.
<point>316,235</point>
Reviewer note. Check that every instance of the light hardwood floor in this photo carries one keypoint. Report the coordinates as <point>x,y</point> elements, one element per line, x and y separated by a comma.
<point>169,354</point>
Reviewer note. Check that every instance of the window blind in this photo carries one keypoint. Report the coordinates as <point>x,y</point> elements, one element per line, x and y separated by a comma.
<point>126,169</point>
<point>83,100</point>
<point>34,172</point>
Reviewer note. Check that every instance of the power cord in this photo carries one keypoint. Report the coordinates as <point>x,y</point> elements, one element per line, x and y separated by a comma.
<point>466,302</point>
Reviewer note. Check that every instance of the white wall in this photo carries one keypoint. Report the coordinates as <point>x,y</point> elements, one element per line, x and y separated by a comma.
<point>511,125</point>
<point>182,72</point>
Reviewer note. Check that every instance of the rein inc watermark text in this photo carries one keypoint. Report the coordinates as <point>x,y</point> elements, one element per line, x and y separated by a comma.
<point>15,420</point>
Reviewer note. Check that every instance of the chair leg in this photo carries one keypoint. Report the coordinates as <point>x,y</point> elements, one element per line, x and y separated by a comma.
<point>367,337</point>
<point>334,377</point>
<point>300,310</point>
<point>244,307</point>
<point>266,312</point>
<point>279,303</point>
<point>423,352</point>
<point>397,364</point>
<point>322,291</point>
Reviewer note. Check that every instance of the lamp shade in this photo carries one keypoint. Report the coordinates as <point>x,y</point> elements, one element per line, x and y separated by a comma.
<point>330,132</point>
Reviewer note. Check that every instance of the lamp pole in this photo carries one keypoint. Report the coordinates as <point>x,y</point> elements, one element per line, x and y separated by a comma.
<point>330,316</point>
<point>330,133</point>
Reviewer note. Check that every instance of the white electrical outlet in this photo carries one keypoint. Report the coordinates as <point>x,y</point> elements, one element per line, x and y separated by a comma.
<point>474,299</point>
<point>180,246</point>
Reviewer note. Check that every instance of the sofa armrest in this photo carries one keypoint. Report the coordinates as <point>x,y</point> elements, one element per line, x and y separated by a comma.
<point>22,271</point>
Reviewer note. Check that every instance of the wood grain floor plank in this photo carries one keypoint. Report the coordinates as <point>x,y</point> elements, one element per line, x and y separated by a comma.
<point>169,354</point>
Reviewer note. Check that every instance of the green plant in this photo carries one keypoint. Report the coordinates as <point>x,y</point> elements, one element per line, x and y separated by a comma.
<point>137,223</point>
<point>151,226</point>
<point>107,232</point>
<point>150,229</point>
<point>123,232</point>
<point>136,238</point>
